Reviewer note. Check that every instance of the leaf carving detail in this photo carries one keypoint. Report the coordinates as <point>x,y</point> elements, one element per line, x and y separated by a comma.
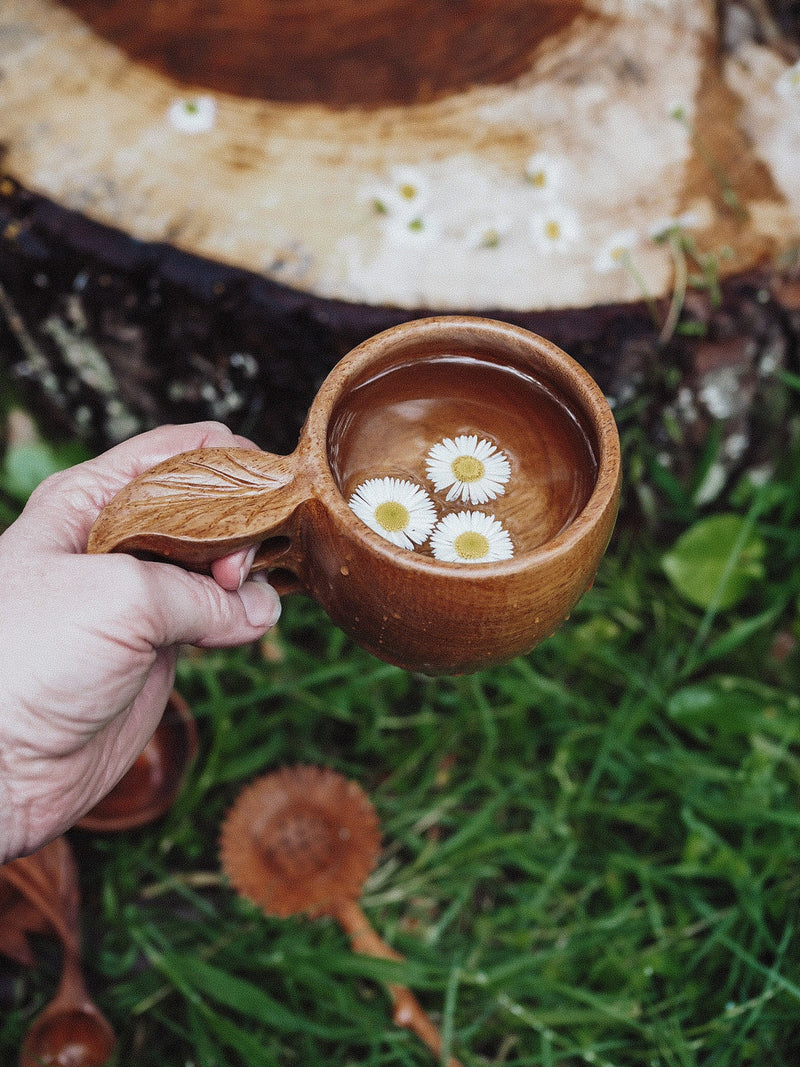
<point>199,478</point>
<point>220,497</point>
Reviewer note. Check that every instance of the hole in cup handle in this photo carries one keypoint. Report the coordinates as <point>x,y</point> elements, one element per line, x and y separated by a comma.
<point>276,558</point>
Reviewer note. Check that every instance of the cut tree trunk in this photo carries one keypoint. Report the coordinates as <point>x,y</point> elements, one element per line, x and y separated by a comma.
<point>203,207</point>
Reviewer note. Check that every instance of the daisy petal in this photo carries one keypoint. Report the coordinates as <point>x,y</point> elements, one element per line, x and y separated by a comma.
<point>398,510</point>
<point>471,537</point>
<point>472,470</point>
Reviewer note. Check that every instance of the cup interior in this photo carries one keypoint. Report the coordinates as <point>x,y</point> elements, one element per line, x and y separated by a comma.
<point>503,423</point>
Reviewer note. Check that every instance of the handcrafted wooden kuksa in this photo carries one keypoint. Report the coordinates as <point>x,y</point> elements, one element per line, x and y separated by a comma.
<point>150,786</point>
<point>377,415</point>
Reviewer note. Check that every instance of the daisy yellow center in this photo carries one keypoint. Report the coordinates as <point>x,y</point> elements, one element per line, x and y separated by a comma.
<point>468,469</point>
<point>471,545</point>
<point>392,515</point>
<point>552,230</point>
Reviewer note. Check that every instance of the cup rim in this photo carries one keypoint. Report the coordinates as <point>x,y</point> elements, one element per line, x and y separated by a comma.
<point>475,332</point>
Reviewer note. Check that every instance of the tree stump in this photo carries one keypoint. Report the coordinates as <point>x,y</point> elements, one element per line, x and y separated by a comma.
<point>204,205</point>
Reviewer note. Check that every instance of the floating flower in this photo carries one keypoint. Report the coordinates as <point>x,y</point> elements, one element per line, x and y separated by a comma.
<point>471,537</point>
<point>398,510</point>
<point>196,114</point>
<point>474,470</point>
<point>556,229</point>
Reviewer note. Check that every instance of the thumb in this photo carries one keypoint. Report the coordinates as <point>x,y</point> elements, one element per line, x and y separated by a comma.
<point>193,609</point>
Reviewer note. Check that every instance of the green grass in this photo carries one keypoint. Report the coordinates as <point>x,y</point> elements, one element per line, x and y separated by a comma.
<point>590,855</point>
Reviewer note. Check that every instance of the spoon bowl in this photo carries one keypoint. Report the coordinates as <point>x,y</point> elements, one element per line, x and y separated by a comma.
<point>71,1031</point>
<point>45,895</point>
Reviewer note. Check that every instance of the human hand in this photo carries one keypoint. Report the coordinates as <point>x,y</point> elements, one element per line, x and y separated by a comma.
<point>88,643</point>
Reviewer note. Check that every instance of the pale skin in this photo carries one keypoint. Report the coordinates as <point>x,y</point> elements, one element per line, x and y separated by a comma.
<point>89,643</point>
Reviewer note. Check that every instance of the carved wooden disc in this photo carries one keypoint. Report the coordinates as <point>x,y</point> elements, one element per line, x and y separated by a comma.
<point>493,154</point>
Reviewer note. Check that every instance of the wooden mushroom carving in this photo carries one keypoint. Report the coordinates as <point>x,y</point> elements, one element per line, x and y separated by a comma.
<point>303,840</point>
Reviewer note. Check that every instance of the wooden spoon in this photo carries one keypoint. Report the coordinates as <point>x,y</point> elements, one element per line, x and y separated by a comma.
<point>18,918</point>
<point>71,1031</point>
<point>303,840</point>
<point>151,785</point>
<point>38,890</point>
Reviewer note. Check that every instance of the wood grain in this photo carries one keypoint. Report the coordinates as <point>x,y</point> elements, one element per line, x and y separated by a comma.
<point>404,606</point>
<point>201,505</point>
<point>340,53</point>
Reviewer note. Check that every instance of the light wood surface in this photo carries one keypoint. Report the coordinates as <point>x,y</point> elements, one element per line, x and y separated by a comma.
<point>423,155</point>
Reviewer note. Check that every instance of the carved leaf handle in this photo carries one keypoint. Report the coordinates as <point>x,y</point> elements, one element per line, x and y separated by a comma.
<point>200,505</point>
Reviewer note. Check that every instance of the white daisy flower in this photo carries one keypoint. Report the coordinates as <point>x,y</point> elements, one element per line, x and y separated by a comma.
<point>556,229</point>
<point>398,510</point>
<point>616,252</point>
<point>544,173</point>
<point>488,232</point>
<point>405,197</point>
<point>687,220</point>
<point>421,230</point>
<point>470,537</point>
<point>788,84</point>
<point>474,470</point>
<point>196,114</point>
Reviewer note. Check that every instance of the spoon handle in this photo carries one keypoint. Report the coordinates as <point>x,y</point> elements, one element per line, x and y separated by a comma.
<point>203,504</point>
<point>408,1012</point>
<point>23,880</point>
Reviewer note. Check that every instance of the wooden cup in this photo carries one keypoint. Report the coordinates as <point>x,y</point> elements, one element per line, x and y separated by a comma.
<point>377,415</point>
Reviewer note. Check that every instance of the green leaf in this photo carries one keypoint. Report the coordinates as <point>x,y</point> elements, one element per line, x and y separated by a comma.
<point>244,997</point>
<point>249,1046</point>
<point>30,462</point>
<point>740,634</point>
<point>709,565</point>
<point>24,466</point>
<point>725,710</point>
